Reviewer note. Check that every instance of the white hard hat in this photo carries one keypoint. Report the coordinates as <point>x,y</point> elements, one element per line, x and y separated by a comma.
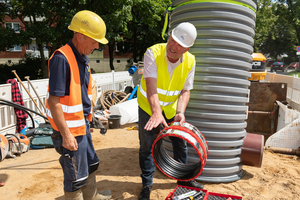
<point>185,34</point>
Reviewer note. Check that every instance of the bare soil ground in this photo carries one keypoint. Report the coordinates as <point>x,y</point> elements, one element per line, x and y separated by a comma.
<point>38,175</point>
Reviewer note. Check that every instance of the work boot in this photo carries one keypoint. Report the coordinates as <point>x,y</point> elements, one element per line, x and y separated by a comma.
<point>102,195</point>
<point>191,183</point>
<point>90,191</point>
<point>77,195</point>
<point>145,193</point>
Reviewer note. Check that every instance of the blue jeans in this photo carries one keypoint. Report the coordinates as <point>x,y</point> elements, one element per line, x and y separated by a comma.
<point>146,141</point>
<point>76,165</point>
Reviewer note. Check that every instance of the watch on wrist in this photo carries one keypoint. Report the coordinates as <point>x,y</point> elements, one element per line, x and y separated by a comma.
<point>177,112</point>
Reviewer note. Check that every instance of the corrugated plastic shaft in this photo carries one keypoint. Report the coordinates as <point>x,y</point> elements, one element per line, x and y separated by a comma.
<point>218,104</point>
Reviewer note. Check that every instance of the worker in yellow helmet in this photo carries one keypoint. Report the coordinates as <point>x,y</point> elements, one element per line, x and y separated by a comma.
<point>163,95</point>
<point>69,107</point>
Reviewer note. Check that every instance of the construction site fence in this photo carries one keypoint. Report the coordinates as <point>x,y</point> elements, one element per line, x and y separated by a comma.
<point>104,81</point>
<point>107,81</point>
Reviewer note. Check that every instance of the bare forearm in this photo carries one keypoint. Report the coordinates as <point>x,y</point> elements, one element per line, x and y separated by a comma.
<point>152,95</point>
<point>183,100</point>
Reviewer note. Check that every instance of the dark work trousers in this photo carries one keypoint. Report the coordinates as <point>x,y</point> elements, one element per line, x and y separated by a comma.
<point>76,165</point>
<point>145,153</point>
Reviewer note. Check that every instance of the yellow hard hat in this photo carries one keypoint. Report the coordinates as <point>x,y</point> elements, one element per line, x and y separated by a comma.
<point>90,24</point>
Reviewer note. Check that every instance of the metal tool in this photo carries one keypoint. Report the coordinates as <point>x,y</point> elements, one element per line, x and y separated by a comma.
<point>14,71</point>
<point>198,195</point>
<point>27,78</point>
<point>185,195</point>
<point>96,123</point>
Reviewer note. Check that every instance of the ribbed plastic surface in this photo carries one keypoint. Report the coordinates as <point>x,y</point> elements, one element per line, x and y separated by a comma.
<point>218,101</point>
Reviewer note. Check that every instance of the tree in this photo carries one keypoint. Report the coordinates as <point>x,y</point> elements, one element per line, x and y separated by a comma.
<point>116,14</point>
<point>278,28</point>
<point>8,37</point>
<point>48,21</point>
<point>291,12</point>
<point>265,20</point>
<point>290,9</point>
<point>139,22</point>
<point>147,25</point>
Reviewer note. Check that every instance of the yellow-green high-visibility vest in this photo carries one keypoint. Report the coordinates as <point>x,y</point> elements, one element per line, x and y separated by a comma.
<point>168,89</point>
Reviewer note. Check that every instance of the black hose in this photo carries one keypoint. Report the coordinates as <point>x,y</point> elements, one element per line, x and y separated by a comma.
<point>172,167</point>
<point>23,108</point>
<point>7,104</point>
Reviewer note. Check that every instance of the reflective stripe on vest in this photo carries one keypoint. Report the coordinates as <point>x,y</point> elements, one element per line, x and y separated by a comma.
<point>71,105</point>
<point>161,92</point>
<point>168,89</point>
<point>70,123</point>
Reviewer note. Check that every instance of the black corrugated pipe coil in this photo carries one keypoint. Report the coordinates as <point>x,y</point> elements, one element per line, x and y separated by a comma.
<point>172,168</point>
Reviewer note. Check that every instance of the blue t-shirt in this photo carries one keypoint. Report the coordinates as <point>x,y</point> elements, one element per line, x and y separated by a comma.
<point>59,80</point>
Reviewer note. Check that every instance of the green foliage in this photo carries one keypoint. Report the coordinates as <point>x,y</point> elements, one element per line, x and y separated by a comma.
<point>294,73</point>
<point>278,28</point>
<point>147,25</point>
<point>139,21</point>
<point>265,20</point>
<point>30,66</point>
<point>290,9</point>
<point>116,14</point>
<point>46,22</point>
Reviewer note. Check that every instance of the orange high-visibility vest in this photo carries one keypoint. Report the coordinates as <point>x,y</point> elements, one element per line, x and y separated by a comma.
<point>168,89</point>
<point>72,105</point>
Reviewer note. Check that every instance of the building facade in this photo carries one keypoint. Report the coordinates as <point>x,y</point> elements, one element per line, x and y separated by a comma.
<point>99,59</point>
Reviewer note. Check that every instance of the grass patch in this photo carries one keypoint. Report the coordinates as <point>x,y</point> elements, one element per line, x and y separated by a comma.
<point>294,73</point>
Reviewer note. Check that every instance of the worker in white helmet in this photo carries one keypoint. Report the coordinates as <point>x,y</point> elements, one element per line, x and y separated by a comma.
<point>163,95</point>
<point>69,107</point>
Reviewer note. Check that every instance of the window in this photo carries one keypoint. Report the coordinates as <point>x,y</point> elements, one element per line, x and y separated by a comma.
<point>13,25</point>
<point>16,27</point>
<point>15,48</point>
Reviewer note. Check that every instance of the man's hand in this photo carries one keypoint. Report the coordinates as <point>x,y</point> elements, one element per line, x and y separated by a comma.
<point>156,117</point>
<point>69,142</point>
<point>154,121</point>
<point>179,117</point>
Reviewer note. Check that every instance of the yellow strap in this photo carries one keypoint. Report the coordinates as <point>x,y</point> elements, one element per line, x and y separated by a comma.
<point>171,8</point>
<point>220,1</point>
<point>166,21</point>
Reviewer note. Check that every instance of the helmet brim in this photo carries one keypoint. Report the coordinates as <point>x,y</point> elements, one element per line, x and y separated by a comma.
<point>102,41</point>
